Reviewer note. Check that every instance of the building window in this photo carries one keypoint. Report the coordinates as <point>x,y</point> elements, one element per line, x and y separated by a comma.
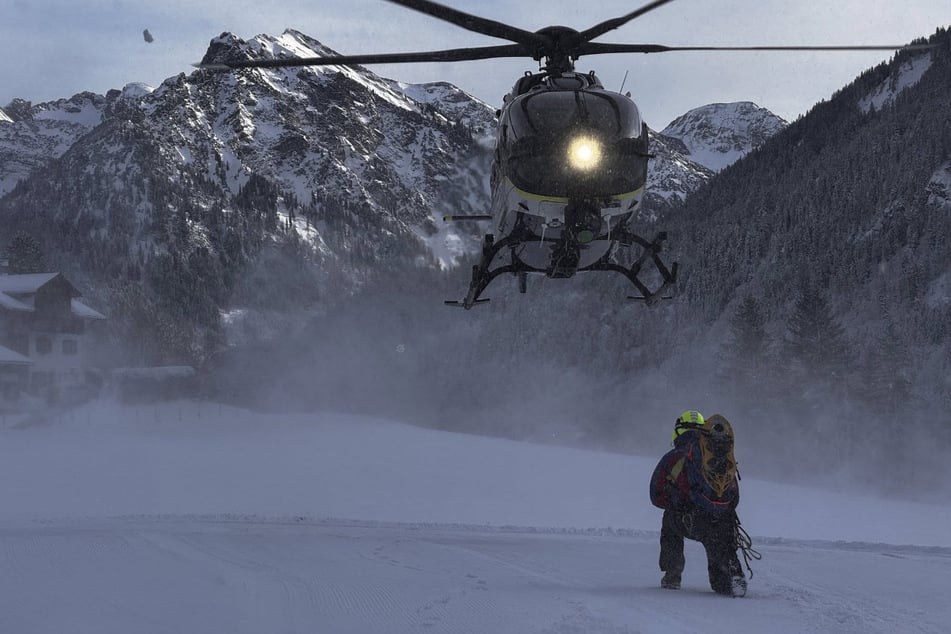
<point>70,346</point>
<point>44,345</point>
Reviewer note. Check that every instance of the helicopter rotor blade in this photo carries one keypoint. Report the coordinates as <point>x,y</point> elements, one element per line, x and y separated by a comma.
<point>609,25</point>
<point>449,55</point>
<point>594,48</point>
<point>473,22</point>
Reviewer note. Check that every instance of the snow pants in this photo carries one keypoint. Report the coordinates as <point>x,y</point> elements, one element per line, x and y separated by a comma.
<point>718,536</point>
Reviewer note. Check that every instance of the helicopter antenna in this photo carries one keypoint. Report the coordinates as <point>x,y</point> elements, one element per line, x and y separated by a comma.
<point>623,81</point>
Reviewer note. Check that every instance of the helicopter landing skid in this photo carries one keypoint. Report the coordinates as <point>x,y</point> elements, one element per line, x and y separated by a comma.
<point>652,251</point>
<point>482,275</point>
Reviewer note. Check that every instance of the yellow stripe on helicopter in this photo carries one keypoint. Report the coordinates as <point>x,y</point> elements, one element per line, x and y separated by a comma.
<point>559,199</point>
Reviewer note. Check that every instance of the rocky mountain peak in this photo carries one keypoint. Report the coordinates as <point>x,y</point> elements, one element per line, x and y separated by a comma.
<point>719,134</point>
<point>32,136</point>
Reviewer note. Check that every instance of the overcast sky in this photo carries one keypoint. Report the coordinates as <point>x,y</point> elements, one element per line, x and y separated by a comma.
<point>56,48</point>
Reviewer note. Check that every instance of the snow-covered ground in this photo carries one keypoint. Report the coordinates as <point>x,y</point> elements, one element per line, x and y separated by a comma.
<point>193,517</point>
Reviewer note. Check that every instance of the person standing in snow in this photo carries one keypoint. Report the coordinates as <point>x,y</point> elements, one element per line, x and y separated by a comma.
<point>696,485</point>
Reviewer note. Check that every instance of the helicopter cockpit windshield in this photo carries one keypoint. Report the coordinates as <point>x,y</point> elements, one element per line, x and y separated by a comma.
<point>568,142</point>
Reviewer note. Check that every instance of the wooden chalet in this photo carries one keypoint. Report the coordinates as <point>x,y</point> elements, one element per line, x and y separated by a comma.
<point>43,337</point>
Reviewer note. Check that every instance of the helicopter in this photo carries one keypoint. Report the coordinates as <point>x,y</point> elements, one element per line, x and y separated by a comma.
<point>570,163</point>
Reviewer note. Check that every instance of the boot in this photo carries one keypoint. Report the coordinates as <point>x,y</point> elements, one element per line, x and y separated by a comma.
<point>734,586</point>
<point>671,581</point>
<point>739,585</point>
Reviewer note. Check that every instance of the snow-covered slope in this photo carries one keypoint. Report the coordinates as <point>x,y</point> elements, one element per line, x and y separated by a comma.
<point>719,134</point>
<point>35,135</point>
<point>908,73</point>
<point>337,133</point>
<point>197,517</point>
<point>455,104</point>
<point>672,173</point>
<point>333,141</point>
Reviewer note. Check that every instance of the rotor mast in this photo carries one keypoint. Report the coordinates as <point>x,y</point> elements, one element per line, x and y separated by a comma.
<point>560,49</point>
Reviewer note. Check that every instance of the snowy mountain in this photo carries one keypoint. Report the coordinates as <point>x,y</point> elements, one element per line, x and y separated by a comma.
<point>719,134</point>
<point>321,136</point>
<point>33,136</point>
<point>701,142</point>
<point>250,185</point>
<point>673,173</point>
<point>344,132</point>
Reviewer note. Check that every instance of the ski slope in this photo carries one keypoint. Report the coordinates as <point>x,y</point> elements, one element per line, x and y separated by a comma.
<point>192,517</point>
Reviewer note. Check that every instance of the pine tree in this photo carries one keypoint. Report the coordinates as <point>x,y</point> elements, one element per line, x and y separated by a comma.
<point>744,359</point>
<point>886,383</point>
<point>816,343</point>
<point>25,254</point>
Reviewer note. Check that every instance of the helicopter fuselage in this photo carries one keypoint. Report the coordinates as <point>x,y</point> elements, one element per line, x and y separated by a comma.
<point>569,171</point>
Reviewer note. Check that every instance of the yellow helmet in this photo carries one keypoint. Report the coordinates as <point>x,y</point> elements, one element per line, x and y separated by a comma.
<point>691,419</point>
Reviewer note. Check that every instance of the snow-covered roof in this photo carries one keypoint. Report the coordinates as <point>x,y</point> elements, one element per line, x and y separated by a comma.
<point>28,284</point>
<point>25,282</point>
<point>13,304</point>
<point>81,310</point>
<point>8,356</point>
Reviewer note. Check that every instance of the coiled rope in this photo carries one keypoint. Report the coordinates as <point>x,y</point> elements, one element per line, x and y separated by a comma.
<point>745,544</point>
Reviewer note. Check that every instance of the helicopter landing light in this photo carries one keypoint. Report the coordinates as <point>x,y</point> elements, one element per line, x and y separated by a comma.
<point>584,153</point>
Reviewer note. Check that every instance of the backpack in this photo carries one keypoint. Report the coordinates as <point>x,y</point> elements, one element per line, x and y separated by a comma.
<point>711,468</point>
